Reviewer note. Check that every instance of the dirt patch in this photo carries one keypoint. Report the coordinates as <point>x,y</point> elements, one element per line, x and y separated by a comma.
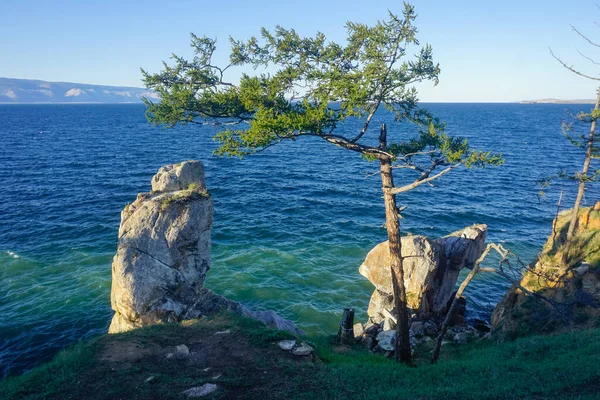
<point>239,364</point>
<point>119,351</point>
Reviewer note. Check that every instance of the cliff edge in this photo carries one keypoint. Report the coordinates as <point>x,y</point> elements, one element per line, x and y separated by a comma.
<point>568,278</point>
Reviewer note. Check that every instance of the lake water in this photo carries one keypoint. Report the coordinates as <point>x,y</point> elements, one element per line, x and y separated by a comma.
<point>292,224</point>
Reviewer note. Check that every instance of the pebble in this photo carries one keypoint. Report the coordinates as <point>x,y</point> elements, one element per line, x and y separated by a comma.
<point>287,345</point>
<point>183,350</point>
<point>302,350</point>
<point>199,391</point>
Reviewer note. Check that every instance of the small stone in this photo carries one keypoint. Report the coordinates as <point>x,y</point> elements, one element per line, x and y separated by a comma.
<point>386,340</point>
<point>358,330</point>
<point>179,176</point>
<point>287,345</point>
<point>417,328</point>
<point>430,328</point>
<point>199,391</point>
<point>302,350</point>
<point>223,332</point>
<point>372,329</point>
<point>582,269</point>
<point>182,350</point>
<point>388,324</point>
<point>461,338</point>
<point>170,355</point>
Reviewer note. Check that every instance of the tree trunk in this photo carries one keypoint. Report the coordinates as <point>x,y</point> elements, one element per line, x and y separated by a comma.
<point>346,332</point>
<point>581,189</point>
<point>395,246</point>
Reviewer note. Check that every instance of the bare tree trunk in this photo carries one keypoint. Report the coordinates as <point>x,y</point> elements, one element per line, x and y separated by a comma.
<point>346,332</point>
<point>459,292</point>
<point>584,171</point>
<point>556,219</point>
<point>395,246</point>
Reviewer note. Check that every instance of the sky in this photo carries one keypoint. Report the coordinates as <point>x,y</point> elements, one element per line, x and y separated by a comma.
<point>488,51</point>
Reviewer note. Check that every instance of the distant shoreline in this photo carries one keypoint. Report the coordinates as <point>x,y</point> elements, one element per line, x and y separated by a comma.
<point>559,101</point>
<point>16,103</point>
<point>543,101</point>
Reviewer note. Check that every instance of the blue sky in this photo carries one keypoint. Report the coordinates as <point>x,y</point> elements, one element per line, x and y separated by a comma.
<point>487,50</point>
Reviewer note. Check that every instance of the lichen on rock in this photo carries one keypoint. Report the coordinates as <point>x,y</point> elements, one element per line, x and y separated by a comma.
<point>163,255</point>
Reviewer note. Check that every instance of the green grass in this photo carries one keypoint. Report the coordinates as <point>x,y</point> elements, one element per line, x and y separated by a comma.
<point>540,367</point>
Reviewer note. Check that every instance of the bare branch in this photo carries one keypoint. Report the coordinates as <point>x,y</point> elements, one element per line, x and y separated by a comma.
<point>366,125</point>
<point>504,254</point>
<point>585,37</point>
<point>418,182</point>
<point>459,292</point>
<point>586,57</point>
<point>345,143</point>
<point>570,68</point>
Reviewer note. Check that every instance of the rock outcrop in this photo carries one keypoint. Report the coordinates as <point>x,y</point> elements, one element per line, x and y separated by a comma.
<point>431,269</point>
<point>163,255</point>
<point>572,286</point>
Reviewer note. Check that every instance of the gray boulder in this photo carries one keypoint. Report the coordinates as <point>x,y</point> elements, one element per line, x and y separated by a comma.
<point>163,256</point>
<point>174,177</point>
<point>431,270</point>
<point>419,265</point>
<point>417,329</point>
<point>387,340</point>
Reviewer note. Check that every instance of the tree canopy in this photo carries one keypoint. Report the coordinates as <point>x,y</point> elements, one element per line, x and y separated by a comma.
<point>313,86</point>
<point>310,87</point>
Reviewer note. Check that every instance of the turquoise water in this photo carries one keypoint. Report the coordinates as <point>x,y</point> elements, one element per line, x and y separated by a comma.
<point>292,224</point>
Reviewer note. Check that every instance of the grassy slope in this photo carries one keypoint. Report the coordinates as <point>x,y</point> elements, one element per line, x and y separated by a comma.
<point>252,366</point>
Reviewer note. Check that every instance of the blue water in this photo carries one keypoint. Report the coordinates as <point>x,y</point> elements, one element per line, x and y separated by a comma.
<point>292,224</point>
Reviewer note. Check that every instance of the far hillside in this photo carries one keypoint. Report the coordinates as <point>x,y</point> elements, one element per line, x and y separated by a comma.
<point>34,91</point>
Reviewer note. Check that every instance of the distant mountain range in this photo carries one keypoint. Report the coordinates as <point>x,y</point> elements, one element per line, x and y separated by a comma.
<point>559,101</point>
<point>34,91</point>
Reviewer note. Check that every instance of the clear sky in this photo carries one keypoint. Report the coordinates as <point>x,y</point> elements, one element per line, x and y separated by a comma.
<point>487,50</point>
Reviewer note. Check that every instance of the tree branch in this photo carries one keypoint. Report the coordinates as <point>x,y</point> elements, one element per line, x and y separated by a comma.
<point>586,57</point>
<point>585,37</point>
<point>571,68</point>
<point>366,125</point>
<point>418,182</point>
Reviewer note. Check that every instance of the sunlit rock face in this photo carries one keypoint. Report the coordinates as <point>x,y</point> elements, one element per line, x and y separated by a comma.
<point>431,269</point>
<point>163,256</point>
<point>163,250</point>
<point>568,278</point>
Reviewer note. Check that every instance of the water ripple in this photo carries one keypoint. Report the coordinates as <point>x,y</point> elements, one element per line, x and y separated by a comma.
<point>292,224</point>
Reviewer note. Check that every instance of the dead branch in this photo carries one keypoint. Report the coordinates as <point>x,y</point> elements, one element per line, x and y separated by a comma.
<point>585,37</point>
<point>419,181</point>
<point>570,68</point>
<point>587,58</point>
<point>500,270</point>
<point>459,292</point>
